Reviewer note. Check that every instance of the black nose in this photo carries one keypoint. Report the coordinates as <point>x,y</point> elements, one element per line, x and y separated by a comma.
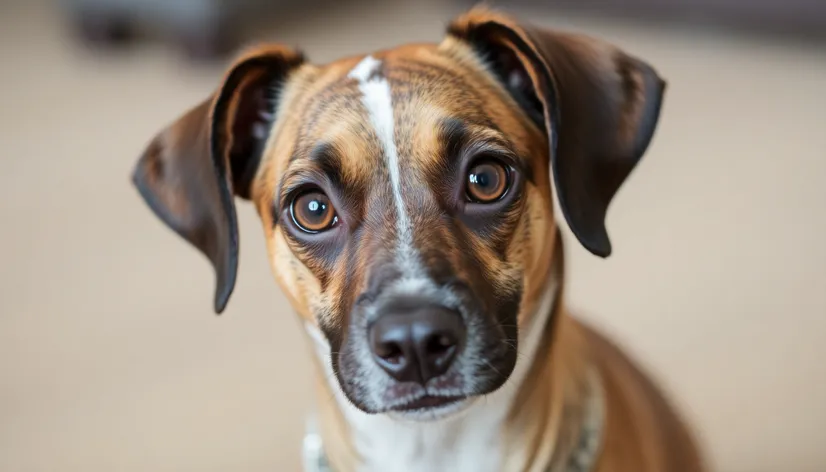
<point>417,344</point>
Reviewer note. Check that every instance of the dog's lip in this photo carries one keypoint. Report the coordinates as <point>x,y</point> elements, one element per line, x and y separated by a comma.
<point>427,402</point>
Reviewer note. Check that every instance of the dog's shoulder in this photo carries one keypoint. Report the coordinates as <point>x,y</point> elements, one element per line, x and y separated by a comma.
<point>643,430</point>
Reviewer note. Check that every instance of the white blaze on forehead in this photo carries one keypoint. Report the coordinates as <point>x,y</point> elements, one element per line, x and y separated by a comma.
<point>378,101</point>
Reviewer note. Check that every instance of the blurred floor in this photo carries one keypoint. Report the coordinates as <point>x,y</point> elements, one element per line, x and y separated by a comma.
<point>110,357</point>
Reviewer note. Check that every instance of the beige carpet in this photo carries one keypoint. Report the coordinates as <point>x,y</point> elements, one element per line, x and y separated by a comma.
<point>111,359</point>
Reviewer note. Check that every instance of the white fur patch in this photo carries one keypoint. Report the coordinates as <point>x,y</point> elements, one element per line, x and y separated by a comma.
<point>469,441</point>
<point>378,101</point>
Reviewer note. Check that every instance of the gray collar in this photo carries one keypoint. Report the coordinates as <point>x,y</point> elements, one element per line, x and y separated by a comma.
<point>586,451</point>
<point>313,457</point>
<point>583,457</point>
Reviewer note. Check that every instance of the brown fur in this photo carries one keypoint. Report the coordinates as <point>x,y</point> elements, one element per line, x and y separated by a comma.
<point>446,98</point>
<point>643,431</point>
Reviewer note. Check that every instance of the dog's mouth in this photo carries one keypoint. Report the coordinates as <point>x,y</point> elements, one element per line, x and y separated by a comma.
<point>426,402</point>
<point>430,408</point>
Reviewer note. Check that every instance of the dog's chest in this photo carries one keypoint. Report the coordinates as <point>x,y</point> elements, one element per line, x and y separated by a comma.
<point>470,443</point>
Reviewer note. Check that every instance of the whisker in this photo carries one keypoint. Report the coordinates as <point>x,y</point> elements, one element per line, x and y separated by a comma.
<point>519,354</point>
<point>493,367</point>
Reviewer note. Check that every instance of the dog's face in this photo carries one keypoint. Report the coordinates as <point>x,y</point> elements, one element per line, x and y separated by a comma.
<point>407,213</point>
<point>406,195</point>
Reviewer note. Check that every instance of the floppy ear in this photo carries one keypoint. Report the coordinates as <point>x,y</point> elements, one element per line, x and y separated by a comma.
<point>598,105</point>
<point>191,171</point>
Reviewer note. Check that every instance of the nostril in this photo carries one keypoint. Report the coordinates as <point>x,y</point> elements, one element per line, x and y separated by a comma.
<point>390,352</point>
<point>440,345</point>
<point>390,345</point>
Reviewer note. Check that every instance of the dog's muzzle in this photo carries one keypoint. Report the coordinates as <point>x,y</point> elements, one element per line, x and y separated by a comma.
<point>423,344</point>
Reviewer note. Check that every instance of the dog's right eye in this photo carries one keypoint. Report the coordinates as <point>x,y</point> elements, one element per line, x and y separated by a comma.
<point>487,181</point>
<point>312,211</point>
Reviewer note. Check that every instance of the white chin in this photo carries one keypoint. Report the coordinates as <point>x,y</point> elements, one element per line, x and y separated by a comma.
<point>434,413</point>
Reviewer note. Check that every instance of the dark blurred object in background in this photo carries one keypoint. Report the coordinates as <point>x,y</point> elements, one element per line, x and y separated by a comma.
<point>210,29</point>
<point>801,18</point>
<point>204,29</point>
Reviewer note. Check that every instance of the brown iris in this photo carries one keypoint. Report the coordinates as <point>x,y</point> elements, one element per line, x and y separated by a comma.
<point>487,182</point>
<point>313,212</point>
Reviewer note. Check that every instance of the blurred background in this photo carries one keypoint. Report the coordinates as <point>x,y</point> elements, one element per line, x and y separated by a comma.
<point>112,360</point>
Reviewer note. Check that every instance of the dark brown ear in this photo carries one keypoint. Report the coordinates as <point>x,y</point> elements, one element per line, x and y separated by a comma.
<point>191,171</point>
<point>598,105</point>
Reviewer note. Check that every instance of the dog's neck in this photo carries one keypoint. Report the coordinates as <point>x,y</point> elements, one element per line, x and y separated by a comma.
<point>525,425</point>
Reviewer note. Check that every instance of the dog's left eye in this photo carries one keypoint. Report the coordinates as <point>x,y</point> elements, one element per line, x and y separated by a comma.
<point>487,181</point>
<point>312,212</point>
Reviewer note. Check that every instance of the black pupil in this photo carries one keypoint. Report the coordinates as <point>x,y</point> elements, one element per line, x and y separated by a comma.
<point>481,179</point>
<point>485,178</point>
<point>316,209</point>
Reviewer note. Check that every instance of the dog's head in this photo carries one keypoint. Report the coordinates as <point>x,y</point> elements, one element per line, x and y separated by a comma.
<point>406,195</point>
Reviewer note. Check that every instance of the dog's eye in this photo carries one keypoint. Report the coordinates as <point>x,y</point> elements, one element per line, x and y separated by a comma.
<point>313,212</point>
<point>487,182</point>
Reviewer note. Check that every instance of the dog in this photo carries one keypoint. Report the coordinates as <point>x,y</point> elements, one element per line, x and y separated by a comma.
<point>407,202</point>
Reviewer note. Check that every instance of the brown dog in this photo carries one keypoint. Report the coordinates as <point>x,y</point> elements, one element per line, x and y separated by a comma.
<point>406,202</point>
